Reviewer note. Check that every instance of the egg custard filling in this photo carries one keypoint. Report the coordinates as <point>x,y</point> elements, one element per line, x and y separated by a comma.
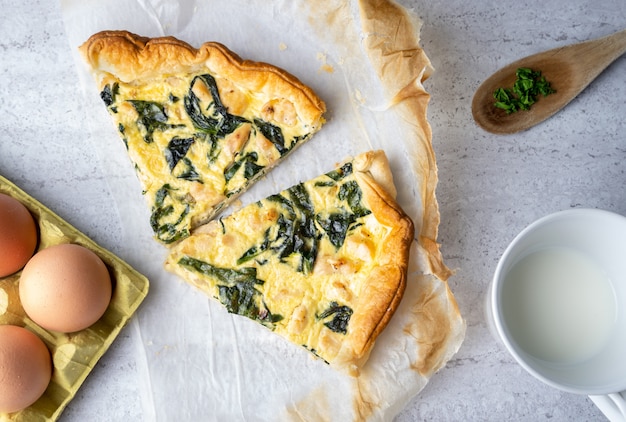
<point>200,125</point>
<point>322,263</point>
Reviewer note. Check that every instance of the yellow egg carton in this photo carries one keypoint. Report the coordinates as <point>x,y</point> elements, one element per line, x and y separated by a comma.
<point>74,355</point>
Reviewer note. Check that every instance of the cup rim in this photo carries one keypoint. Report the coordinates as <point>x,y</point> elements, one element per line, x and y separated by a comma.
<point>497,317</point>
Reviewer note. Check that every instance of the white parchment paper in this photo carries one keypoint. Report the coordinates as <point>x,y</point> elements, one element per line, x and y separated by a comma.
<point>198,362</point>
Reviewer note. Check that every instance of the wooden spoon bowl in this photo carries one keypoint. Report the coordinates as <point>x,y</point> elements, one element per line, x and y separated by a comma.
<point>569,70</point>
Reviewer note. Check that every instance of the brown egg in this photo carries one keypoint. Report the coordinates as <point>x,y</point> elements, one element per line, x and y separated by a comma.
<point>18,235</point>
<point>65,288</point>
<point>25,368</point>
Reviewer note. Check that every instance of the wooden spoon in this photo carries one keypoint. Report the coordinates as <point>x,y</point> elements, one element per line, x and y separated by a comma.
<point>569,70</point>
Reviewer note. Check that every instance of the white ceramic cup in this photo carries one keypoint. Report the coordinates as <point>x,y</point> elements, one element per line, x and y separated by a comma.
<point>558,303</point>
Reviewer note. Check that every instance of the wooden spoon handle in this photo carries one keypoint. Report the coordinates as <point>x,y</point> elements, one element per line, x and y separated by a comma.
<point>597,54</point>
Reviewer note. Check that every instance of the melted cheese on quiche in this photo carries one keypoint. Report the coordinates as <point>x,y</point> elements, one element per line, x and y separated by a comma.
<point>297,262</point>
<point>197,141</point>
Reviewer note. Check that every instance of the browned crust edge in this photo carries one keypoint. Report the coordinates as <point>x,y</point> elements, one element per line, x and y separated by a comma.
<point>386,285</point>
<point>128,57</point>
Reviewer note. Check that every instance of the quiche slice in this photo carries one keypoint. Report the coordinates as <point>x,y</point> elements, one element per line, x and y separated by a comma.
<point>323,263</point>
<point>200,125</point>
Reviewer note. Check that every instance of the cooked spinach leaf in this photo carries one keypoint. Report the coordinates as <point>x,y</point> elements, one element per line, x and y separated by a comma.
<point>340,317</point>
<point>214,151</point>
<point>336,226</point>
<point>164,224</point>
<point>294,236</point>
<point>341,172</point>
<point>336,176</point>
<point>109,93</point>
<point>351,193</point>
<point>198,118</point>
<point>189,172</point>
<point>176,149</point>
<point>217,121</point>
<point>285,203</point>
<point>250,167</point>
<point>152,117</point>
<point>301,199</point>
<point>237,290</point>
<point>274,134</point>
<point>298,229</point>
<point>256,250</point>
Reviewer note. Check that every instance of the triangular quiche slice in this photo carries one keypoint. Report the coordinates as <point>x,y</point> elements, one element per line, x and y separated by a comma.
<point>323,263</point>
<point>200,125</point>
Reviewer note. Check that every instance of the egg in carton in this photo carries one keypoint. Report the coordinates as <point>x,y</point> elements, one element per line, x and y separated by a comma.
<point>74,354</point>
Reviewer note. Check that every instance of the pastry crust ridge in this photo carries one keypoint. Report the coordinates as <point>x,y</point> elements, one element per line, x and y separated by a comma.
<point>386,284</point>
<point>129,57</point>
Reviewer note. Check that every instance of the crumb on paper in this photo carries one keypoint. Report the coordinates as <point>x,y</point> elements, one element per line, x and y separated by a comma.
<point>358,96</point>
<point>325,66</point>
<point>282,46</point>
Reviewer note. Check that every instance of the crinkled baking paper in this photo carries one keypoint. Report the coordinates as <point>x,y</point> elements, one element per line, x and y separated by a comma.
<point>364,60</point>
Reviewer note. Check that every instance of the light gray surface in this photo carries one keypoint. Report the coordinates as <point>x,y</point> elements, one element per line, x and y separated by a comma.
<point>490,186</point>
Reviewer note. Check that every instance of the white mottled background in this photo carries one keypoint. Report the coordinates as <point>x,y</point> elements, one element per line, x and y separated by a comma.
<point>490,186</point>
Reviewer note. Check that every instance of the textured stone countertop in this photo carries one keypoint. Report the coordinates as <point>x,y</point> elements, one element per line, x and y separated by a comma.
<point>490,187</point>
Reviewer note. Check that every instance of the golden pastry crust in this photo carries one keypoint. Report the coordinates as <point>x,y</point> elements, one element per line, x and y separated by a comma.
<point>131,57</point>
<point>386,283</point>
<point>363,275</point>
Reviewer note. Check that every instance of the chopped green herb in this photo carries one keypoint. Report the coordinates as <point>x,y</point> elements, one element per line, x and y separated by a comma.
<point>528,86</point>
